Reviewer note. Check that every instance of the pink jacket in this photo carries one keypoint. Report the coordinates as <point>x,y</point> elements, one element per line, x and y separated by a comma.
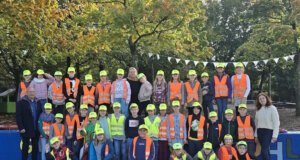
<point>41,86</point>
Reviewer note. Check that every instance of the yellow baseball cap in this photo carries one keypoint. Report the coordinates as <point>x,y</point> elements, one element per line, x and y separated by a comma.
<point>88,77</point>
<point>99,131</point>
<point>120,71</point>
<point>54,140</point>
<point>242,143</point>
<point>239,64</point>
<point>160,72</point>
<point>59,115</point>
<point>71,69</point>
<point>103,73</point>
<point>116,104</point>
<point>26,73</point>
<point>196,104</point>
<point>58,73</point>
<point>133,105</point>
<point>176,103</point>
<point>207,145</point>
<point>177,146</point>
<point>220,65</point>
<point>84,106</point>
<point>227,136</point>
<point>141,75</point>
<point>93,115</point>
<point>213,114</point>
<point>175,71</point>
<point>143,126</point>
<point>228,111</point>
<point>163,106</point>
<point>48,106</point>
<point>192,72</point>
<point>204,74</point>
<point>40,71</point>
<point>102,108</point>
<point>150,107</point>
<point>69,105</point>
<point>243,106</point>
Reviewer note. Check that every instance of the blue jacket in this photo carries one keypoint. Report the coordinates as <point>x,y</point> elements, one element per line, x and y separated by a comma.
<point>92,152</point>
<point>140,150</point>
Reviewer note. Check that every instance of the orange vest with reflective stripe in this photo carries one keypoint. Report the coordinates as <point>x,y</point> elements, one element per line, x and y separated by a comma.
<point>71,124</point>
<point>247,157</point>
<point>124,89</point>
<point>175,91</point>
<point>86,120</point>
<point>192,93</point>
<point>221,89</point>
<point>239,88</point>
<point>245,130</point>
<point>219,126</point>
<point>148,146</point>
<point>57,133</point>
<point>88,96</point>
<point>104,95</point>
<point>106,150</point>
<point>23,89</point>
<point>72,90</point>
<point>163,129</point>
<point>46,128</point>
<point>200,132</point>
<point>57,93</point>
<point>225,154</point>
<point>172,129</point>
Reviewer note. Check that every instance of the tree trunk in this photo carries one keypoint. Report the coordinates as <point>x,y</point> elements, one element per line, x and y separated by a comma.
<point>270,82</point>
<point>261,81</point>
<point>133,51</point>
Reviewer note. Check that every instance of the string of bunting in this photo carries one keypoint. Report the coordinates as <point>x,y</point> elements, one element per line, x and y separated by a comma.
<point>265,61</point>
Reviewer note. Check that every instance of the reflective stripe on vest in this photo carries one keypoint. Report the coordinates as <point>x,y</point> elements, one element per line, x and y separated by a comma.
<point>200,132</point>
<point>239,88</point>
<point>23,89</point>
<point>225,154</point>
<point>46,128</point>
<point>219,127</point>
<point>104,95</point>
<point>88,96</point>
<point>85,122</point>
<point>57,93</point>
<point>192,93</point>
<point>175,158</point>
<point>221,89</point>
<point>172,129</point>
<point>245,130</point>
<point>73,90</point>
<point>117,127</point>
<point>211,157</point>
<point>153,128</point>
<point>148,147</point>
<point>163,129</point>
<point>124,89</point>
<point>71,124</point>
<point>57,133</point>
<point>175,91</point>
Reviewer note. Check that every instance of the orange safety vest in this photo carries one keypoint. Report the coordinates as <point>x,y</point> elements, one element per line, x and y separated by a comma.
<point>104,95</point>
<point>192,93</point>
<point>247,157</point>
<point>239,88</point>
<point>124,90</point>
<point>57,133</point>
<point>85,122</point>
<point>245,130</point>
<point>221,89</point>
<point>219,126</point>
<point>57,93</point>
<point>172,129</point>
<point>163,128</point>
<point>88,96</point>
<point>46,128</point>
<point>71,124</point>
<point>175,91</point>
<point>23,89</point>
<point>73,90</point>
<point>106,150</point>
<point>148,146</point>
<point>200,131</point>
<point>225,154</point>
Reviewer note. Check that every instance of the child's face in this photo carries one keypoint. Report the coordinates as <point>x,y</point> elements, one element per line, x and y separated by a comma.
<point>204,79</point>
<point>162,112</point>
<point>102,113</point>
<point>220,70</point>
<point>134,111</point>
<point>58,78</point>
<point>213,119</point>
<point>143,80</point>
<point>192,77</point>
<point>40,76</point>
<point>58,120</point>
<point>159,77</point>
<point>176,109</point>
<point>48,111</point>
<point>27,78</point>
<point>70,110</point>
<point>103,78</point>
<point>178,152</point>
<point>116,110</point>
<point>207,151</point>
<point>56,145</point>
<point>229,117</point>
<point>93,120</point>
<point>100,137</point>
<point>242,111</point>
<point>239,70</point>
<point>150,112</point>
<point>175,76</point>
<point>120,76</point>
<point>262,100</point>
<point>71,74</point>
<point>196,110</point>
<point>228,142</point>
<point>142,133</point>
<point>89,82</point>
<point>242,149</point>
<point>83,112</point>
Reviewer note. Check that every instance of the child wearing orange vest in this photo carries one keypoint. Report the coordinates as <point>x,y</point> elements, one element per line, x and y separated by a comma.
<point>214,131</point>
<point>102,95</point>
<point>175,89</point>
<point>55,93</point>
<point>242,154</point>
<point>163,149</point>
<point>24,84</point>
<point>88,94</point>
<point>241,86</point>
<point>101,147</point>
<point>227,152</point>
<point>84,120</point>
<point>45,121</point>
<point>245,129</point>
<point>57,129</point>
<point>193,91</point>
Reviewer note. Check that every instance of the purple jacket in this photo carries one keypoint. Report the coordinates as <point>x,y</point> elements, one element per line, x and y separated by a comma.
<point>41,86</point>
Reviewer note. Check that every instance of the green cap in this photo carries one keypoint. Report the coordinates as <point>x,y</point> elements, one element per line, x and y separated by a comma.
<point>69,105</point>
<point>227,136</point>
<point>54,140</point>
<point>242,143</point>
<point>103,73</point>
<point>102,108</point>
<point>160,72</point>
<point>40,72</point>
<point>116,104</point>
<point>163,106</point>
<point>243,106</point>
<point>48,106</point>
<point>143,126</point>
<point>220,65</point>
<point>192,72</point>
<point>141,75</point>
<point>204,74</point>
<point>228,111</point>
<point>196,104</point>
<point>88,77</point>
<point>175,71</point>
<point>133,105</point>
<point>93,115</point>
<point>59,115</point>
<point>207,145</point>
<point>213,114</point>
<point>71,69</point>
<point>99,131</point>
<point>120,71</point>
<point>239,64</point>
<point>176,103</point>
<point>84,106</point>
<point>150,107</point>
<point>26,73</point>
<point>58,73</point>
<point>177,146</point>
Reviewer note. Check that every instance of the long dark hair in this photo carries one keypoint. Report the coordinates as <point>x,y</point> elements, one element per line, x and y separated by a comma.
<point>258,105</point>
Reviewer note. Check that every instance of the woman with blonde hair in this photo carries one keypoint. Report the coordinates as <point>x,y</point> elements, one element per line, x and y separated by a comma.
<point>101,148</point>
<point>159,89</point>
<point>135,85</point>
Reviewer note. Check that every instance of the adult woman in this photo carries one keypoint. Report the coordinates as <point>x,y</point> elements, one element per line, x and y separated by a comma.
<point>267,124</point>
<point>135,85</point>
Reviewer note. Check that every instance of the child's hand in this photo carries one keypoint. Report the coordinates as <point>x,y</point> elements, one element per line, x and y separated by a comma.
<point>22,131</point>
<point>75,143</point>
<point>184,141</point>
<point>47,148</point>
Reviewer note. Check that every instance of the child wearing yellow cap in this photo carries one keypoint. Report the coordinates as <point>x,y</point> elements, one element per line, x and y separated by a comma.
<point>145,93</point>
<point>208,94</point>
<point>227,151</point>
<point>214,129</point>
<point>229,125</point>
<point>102,95</point>
<point>24,84</point>
<point>104,121</point>
<point>242,153</point>
<point>175,89</point>
<point>159,89</point>
<point>179,152</point>
<point>57,129</point>
<point>207,152</point>
<point>163,152</point>
<point>59,150</point>
<point>55,93</point>
<point>101,147</point>
<point>193,91</point>
<point>88,94</point>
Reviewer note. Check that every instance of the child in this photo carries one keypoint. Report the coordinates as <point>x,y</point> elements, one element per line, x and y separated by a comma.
<point>57,129</point>
<point>240,86</point>
<point>40,84</point>
<point>101,148</point>
<point>214,131</point>
<point>104,121</point>
<point>163,149</point>
<point>159,90</point>
<point>227,152</point>
<point>229,126</point>
<point>102,94</point>
<point>132,124</point>
<point>176,130</point>
<point>117,122</point>
<point>121,92</point>
<point>144,93</point>
<point>245,129</point>
<point>55,93</point>
<point>193,91</point>
<point>88,96</point>
<point>72,88</point>
<point>175,89</point>
<point>208,94</point>
<point>242,154</point>
<point>45,121</point>
<point>222,90</point>
<point>197,130</point>
<point>59,151</point>
<point>24,84</point>
<point>152,122</point>
<point>179,153</point>
<point>206,153</point>
<point>83,122</point>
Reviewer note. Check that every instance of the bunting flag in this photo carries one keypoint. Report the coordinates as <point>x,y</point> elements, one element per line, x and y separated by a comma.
<point>187,62</point>
<point>286,58</point>
<point>266,61</point>
<point>196,62</point>
<point>225,63</point>
<point>234,63</point>
<point>245,63</point>
<point>255,63</point>
<point>205,63</point>
<point>157,56</point>
<point>276,60</point>
<point>215,64</point>
<point>292,57</point>
<point>169,59</point>
<point>177,60</point>
<point>150,54</point>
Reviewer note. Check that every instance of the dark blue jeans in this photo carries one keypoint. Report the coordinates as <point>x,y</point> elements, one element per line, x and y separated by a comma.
<point>207,106</point>
<point>265,136</point>
<point>222,106</point>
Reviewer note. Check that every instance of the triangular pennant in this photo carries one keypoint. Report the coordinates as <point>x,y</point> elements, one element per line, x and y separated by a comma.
<point>276,60</point>
<point>204,63</point>
<point>150,54</point>
<point>292,57</point>
<point>266,61</point>
<point>215,64</point>
<point>245,63</point>
<point>255,63</point>
<point>169,59</point>
<point>196,62</point>
<point>234,63</point>
<point>286,58</point>
<point>225,63</point>
<point>187,61</point>
<point>157,56</point>
<point>177,60</point>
